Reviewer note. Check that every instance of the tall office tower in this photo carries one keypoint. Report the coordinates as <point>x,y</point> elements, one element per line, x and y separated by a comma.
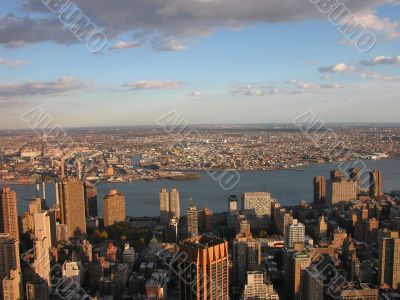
<point>375,184</point>
<point>336,174</point>
<point>72,206</point>
<point>174,204</point>
<point>295,234</point>
<point>90,199</point>
<point>313,285</point>
<point>256,288</point>
<point>246,255</point>
<point>233,205</point>
<point>205,219</point>
<point>114,207</point>
<point>45,224</point>
<point>340,190</point>
<point>164,207</point>
<point>192,221</point>
<point>389,260</point>
<point>296,262</point>
<point>9,257</point>
<point>257,204</point>
<point>9,213</point>
<point>169,206</point>
<point>12,286</point>
<point>205,269</point>
<point>320,190</point>
<point>41,264</point>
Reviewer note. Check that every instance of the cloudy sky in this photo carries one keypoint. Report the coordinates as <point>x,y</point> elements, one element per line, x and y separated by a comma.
<point>212,61</point>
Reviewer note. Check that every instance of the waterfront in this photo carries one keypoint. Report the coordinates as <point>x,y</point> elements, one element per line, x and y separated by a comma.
<point>288,186</point>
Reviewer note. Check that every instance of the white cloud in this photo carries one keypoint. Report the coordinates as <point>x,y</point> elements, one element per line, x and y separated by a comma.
<point>196,94</point>
<point>126,45</point>
<point>63,86</point>
<point>385,26</point>
<point>338,68</point>
<point>11,63</point>
<point>382,60</point>
<point>379,76</point>
<point>301,85</point>
<point>153,85</point>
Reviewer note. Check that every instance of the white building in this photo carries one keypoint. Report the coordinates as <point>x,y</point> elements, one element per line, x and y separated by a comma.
<point>257,289</point>
<point>295,233</point>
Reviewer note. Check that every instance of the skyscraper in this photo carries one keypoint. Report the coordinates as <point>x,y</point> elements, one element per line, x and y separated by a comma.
<point>164,207</point>
<point>257,204</point>
<point>296,262</point>
<point>12,286</point>
<point>41,264</point>
<point>375,184</point>
<point>9,260</point>
<point>205,219</point>
<point>192,221</point>
<point>9,213</point>
<point>90,199</point>
<point>72,206</point>
<point>204,272</point>
<point>114,207</point>
<point>174,204</point>
<point>320,190</point>
<point>340,190</point>
<point>169,206</point>
<point>389,260</point>
<point>246,255</point>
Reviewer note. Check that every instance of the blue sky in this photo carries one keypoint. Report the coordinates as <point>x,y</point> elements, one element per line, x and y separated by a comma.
<point>214,61</point>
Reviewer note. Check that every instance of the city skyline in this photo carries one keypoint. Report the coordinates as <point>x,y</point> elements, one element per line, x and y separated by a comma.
<point>268,63</point>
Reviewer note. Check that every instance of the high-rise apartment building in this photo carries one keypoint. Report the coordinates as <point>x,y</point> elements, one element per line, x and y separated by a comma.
<point>41,264</point>
<point>9,259</point>
<point>12,286</point>
<point>204,269</point>
<point>192,220</point>
<point>389,259</point>
<point>340,190</point>
<point>256,288</point>
<point>169,206</point>
<point>296,262</point>
<point>257,204</point>
<point>9,213</point>
<point>375,184</point>
<point>90,199</point>
<point>71,202</point>
<point>246,255</point>
<point>205,219</point>
<point>295,233</point>
<point>114,207</point>
<point>320,190</point>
